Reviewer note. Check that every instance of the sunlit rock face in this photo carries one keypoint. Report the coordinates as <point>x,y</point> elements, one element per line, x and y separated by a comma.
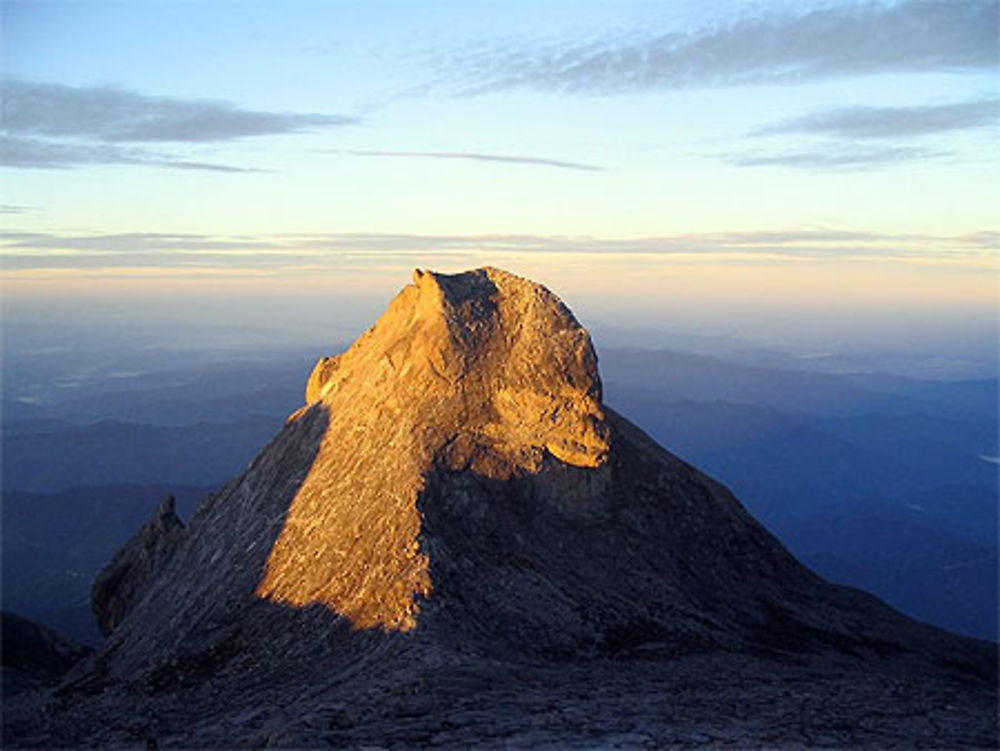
<point>482,371</point>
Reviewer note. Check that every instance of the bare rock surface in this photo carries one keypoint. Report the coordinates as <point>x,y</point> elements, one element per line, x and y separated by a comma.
<point>124,581</point>
<point>455,543</point>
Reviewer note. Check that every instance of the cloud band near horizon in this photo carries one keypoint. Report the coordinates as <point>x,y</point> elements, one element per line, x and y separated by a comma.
<point>25,251</point>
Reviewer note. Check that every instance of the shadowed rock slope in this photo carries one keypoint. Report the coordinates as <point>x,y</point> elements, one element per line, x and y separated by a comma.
<point>454,512</point>
<point>123,582</point>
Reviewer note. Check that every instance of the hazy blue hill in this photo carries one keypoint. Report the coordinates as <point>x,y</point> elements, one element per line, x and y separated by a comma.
<point>782,466</point>
<point>698,377</point>
<point>54,544</point>
<point>705,378</point>
<point>931,447</point>
<point>918,562</point>
<point>967,510</point>
<point>178,406</point>
<point>875,481</point>
<point>960,596</point>
<point>186,391</point>
<point>960,399</point>
<point>45,456</point>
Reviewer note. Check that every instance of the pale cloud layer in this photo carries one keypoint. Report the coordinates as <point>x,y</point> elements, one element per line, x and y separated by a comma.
<point>890,122</point>
<point>478,157</point>
<point>43,250</point>
<point>48,125</point>
<point>835,158</point>
<point>40,153</point>
<point>116,115</point>
<point>13,208</point>
<point>870,38</point>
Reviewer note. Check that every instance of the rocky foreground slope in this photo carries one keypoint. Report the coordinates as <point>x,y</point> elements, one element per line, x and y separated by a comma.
<point>456,542</point>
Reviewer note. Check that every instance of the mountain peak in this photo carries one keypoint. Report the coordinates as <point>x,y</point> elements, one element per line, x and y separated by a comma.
<point>481,371</point>
<point>455,527</point>
<point>482,354</point>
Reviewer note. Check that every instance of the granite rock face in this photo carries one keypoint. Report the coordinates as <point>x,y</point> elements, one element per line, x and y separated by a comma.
<point>124,581</point>
<point>455,535</point>
<point>481,371</point>
<point>455,474</point>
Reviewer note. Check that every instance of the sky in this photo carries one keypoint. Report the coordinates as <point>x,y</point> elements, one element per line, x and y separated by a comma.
<point>793,172</point>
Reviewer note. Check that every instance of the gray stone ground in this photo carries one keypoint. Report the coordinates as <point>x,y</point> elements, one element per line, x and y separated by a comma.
<point>710,701</point>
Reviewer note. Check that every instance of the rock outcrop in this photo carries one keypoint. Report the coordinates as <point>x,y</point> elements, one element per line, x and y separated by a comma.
<point>455,473</point>
<point>482,372</point>
<point>124,581</point>
<point>454,526</point>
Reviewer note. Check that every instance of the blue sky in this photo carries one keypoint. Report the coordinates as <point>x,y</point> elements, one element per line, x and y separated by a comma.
<point>730,153</point>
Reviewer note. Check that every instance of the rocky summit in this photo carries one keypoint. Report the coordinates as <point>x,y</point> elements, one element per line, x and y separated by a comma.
<point>456,543</point>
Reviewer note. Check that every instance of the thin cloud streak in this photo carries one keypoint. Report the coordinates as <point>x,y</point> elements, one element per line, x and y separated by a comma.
<point>35,153</point>
<point>916,36</point>
<point>55,126</point>
<point>835,158</point>
<point>890,122</point>
<point>478,157</point>
<point>115,115</point>
<point>203,166</point>
<point>13,208</point>
<point>131,242</point>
